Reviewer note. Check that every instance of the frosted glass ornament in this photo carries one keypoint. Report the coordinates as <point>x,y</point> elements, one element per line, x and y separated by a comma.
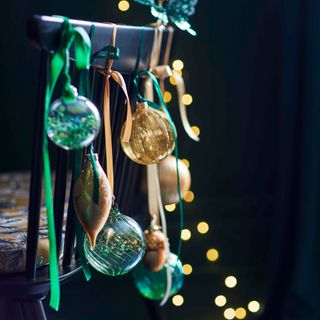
<point>73,125</point>
<point>153,285</point>
<point>167,169</point>
<point>152,138</point>
<point>119,247</point>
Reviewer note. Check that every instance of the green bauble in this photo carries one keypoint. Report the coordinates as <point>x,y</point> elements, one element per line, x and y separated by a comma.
<point>73,125</point>
<point>153,285</point>
<point>119,247</point>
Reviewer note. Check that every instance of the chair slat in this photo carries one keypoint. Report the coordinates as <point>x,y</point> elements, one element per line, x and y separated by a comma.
<point>36,173</point>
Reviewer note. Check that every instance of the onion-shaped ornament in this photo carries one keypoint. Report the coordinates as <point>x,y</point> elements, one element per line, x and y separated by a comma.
<point>73,124</point>
<point>119,247</point>
<point>168,179</point>
<point>152,138</point>
<point>91,215</point>
<point>155,256</point>
<point>153,285</point>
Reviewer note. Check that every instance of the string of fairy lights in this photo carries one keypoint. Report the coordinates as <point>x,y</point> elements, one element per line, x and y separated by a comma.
<point>212,254</point>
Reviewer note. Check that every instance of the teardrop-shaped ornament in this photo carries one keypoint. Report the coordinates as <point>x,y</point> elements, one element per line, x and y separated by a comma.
<point>152,138</point>
<point>73,124</point>
<point>120,245</point>
<point>92,215</point>
<point>155,256</point>
<point>153,285</point>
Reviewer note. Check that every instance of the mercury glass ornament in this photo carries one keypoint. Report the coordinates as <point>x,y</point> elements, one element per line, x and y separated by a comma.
<point>91,215</point>
<point>74,124</point>
<point>119,247</point>
<point>168,179</point>
<point>152,138</point>
<point>155,256</point>
<point>153,285</point>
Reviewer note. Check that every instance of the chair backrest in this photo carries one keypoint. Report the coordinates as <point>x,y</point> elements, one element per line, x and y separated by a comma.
<point>44,32</point>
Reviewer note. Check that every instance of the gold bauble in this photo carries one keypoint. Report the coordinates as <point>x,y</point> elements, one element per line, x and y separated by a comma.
<point>169,182</point>
<point>152,138</point>
<point>155,256</point>
<point>91,215</point>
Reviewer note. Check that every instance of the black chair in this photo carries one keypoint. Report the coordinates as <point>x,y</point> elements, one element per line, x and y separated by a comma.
<point>23,292</point>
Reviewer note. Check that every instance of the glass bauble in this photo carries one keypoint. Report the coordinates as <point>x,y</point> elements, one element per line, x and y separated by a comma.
<point>91,215</point>
<point>152,138</point>
<point>74,124</point>
<point>155,255</point>
<point>119,247</point>
<point>153,285</point>
<point>167,169</point>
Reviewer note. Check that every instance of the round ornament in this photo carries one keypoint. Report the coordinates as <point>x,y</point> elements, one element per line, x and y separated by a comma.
<point>119,247</point>
<point>74,124</point>
<point>169,182</point>
<point>153,285</point>
<point>91,215</point>
<point>152,138</point>
<point>155,255</point>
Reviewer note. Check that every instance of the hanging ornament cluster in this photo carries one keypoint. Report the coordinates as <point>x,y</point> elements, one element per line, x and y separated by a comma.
<point>109,241</point>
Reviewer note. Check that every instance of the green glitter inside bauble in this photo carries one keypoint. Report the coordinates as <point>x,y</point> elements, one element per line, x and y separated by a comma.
<point>153,285</point>
<point>73,125</point>
<point>119,247</point>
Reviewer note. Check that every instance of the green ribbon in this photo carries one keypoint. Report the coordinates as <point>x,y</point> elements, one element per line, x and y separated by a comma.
<point>60,64</point>
<point>164,108</point>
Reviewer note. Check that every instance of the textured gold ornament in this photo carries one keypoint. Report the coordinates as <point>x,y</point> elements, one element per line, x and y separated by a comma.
<point>152,138</point>
<point>169,182</point>
<point>92,216</point>
<point>155,257</point>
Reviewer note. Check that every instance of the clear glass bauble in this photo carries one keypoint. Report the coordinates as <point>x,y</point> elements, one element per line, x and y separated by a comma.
<point>153,285</point>
<point>73,125</point>
<point>119,247</point>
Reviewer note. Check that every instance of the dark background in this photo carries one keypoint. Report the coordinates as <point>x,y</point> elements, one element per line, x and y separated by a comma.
<point>254,72</point>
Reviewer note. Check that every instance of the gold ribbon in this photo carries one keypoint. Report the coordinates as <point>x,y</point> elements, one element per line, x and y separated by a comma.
<point>164,71</point>
<point>117,77</point>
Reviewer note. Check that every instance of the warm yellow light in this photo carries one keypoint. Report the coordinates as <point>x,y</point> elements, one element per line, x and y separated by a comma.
<point>187,269</point>
<point>123,5</point>
<point>173,81</point>
<point>189,196</point>
<point>196,130</point>
<point>177,300</point>
<point>185,234</point>
<point>241,313</point>
<point>186,162</point>
<point>229,313</point>
<point>177,65</point>
<point>230,281</point>
<point>254,306</point>
<point>203,227</point>
<point>187,99</point>
<point>220,301</point>
<point>167,96</point>
<point>170,207</point>
<point>212,254</point>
